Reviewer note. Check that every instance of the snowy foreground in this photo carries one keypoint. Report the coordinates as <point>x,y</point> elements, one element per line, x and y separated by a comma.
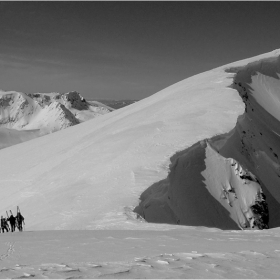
<point>152,252</point>
<point>202,156</point>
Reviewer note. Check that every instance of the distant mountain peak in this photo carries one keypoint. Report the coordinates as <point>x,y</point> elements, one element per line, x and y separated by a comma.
<point>45,112</point>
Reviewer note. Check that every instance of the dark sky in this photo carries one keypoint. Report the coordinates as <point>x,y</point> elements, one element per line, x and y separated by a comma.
<point>118,50</point>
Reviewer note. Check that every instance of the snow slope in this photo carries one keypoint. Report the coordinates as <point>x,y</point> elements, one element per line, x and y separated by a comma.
<point>44,112</point>
<point>252,145</point>
<point>210,143</point>
<point>10,137</point>
<point>91,176</point>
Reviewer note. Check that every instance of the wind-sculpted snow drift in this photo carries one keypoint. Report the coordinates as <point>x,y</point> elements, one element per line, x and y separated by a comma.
<point>27,116</point>
<point>202,152</point>
<point>217,172</point>
<point>230,195</point>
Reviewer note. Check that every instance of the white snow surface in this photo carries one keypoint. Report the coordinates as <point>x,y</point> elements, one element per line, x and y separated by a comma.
<point>90,176</point>
<point>177,252</point>
<point>266,90</point>
<point>9,137</point>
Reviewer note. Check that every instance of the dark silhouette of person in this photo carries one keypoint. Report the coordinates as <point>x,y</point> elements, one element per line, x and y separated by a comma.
<point>12,221</point>
<point>4,224</point>
<point>19,221</point>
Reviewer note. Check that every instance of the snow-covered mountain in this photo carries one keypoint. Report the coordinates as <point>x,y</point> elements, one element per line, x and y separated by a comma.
<point>214,168</point>
<point>202,152</point>
<point>26,116</point>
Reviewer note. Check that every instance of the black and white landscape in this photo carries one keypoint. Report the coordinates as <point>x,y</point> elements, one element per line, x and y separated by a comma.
<point>27,116</point>
<point>140,139</point>
<point>202,156</point>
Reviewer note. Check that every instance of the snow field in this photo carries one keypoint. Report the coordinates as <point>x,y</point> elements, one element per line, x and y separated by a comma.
<point>90,176</point>
<point>90,170</point>
<point>180,252</point>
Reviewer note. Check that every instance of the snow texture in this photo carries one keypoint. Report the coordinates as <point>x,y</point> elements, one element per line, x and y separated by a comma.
<point>177,252</point>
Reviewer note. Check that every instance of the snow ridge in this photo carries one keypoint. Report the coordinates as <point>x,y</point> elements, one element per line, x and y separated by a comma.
<point>223,150</point>
<point>197,175</point>
<point>240,169</point>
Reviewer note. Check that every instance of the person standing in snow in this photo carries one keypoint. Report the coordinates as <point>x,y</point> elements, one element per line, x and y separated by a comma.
<point>19,221</point>
<point>4,224</point>
<point>12,221</point>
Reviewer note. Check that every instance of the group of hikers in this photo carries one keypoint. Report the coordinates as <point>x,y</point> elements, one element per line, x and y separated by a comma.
<point>14,221</point>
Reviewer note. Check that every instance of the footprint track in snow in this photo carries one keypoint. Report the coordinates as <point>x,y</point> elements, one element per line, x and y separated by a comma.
<point>10,250</point>
<point>243,264</point>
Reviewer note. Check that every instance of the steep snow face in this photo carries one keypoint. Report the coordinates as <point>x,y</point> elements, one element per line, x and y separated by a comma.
<point>91,175</point>
<point>45,112</point>
<point>266,91</point>
<point>204,188</point>
<point>242,194</point>
<point>254,142</point>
